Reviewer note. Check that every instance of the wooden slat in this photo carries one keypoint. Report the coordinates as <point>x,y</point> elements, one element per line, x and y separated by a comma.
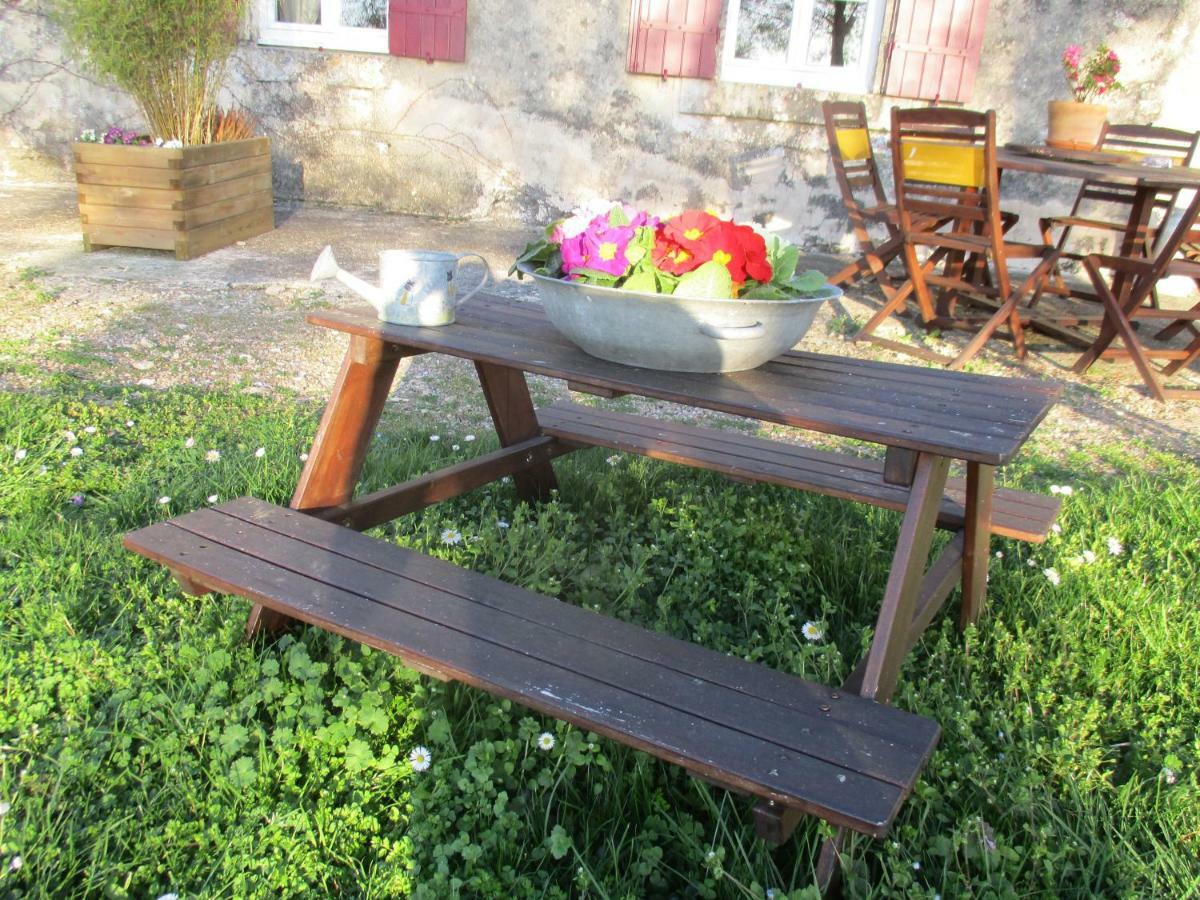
<point>743,741</point>
<point>225,190</point>
<point>228,211</point>
<point>126,156</point>
<point>127,176</point>
<point>224,151</point>
<point>483,332</point>
<point>206,238</point>
<point>1016,514</point>
<point>120,236</point>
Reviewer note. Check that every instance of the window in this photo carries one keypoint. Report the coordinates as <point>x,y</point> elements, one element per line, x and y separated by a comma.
<point>332,24</point>
<point>820,44</point>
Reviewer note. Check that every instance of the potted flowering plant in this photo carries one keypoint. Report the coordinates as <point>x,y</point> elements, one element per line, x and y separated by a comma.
<point>692,292</point>
<point>199,179</point>
<point>1076,124</point>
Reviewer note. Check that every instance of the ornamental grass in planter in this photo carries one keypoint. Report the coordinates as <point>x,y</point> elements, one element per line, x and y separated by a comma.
<point>200,179</point>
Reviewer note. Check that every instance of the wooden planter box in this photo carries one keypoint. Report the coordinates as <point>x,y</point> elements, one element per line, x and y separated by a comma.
<point>187,199</point>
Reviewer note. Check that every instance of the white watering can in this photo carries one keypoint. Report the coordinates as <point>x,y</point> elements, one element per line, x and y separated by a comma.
<point>416,287</point>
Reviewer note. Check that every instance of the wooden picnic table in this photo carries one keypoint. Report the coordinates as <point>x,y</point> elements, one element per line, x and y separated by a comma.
<point>835,752</point>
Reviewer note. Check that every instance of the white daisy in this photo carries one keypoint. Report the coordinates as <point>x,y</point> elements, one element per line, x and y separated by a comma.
<point>1115,547</point>
<point>420,759</point>
<point>169,897</point>
<point>455,447</point>
<point>77,451</point>
<point>812,631</point>
<point>20,454</point>
<point>1169,775</point>
<point>1088,556</point>
<point>613,460</point>
<point>999,554</point>
<point>129,423</point>
<point>434,438</point>
<point>190,443</point>
<point>164,500</point>
<point>16,864</point>
<point>4,808</point>
<point>91,429</point>
<point>212,498</point>
<point>303,457</point>
<point>260,452</point>
<point>1056,528</point>
<point>1052,576</point>
<point>451,536</point>
<point>501,523</point>
<point>468,438</point>
<point>1031,563</point>
<point>916,866</point>
<point>545,741</point>
<point>212,456</point>
<point>70,438</point>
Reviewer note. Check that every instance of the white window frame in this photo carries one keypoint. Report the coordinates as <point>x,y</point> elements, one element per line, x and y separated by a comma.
<point>324,36</point>
<point>794,72</point>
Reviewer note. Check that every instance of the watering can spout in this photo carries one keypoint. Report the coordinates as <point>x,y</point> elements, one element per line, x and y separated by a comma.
<point>326,267</point>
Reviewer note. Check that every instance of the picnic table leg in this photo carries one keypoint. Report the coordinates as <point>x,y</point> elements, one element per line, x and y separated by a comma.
<point>508,400</point>
<point>899,618</point>
<point>340,447</point>
<point>977,541</point>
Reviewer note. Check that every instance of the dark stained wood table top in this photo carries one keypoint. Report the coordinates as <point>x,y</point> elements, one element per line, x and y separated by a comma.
<point>978,418</point>
<point>1044,161</point>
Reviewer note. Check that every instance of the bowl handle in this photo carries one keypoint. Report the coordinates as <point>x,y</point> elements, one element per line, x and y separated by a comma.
<point>733,332</point>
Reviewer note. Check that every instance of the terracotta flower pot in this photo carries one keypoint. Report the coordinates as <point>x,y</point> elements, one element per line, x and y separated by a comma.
<point>1074,125</point>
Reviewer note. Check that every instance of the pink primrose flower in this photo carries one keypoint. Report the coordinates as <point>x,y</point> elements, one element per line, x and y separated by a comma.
<point>1072,55</point>
<point>600,248</point>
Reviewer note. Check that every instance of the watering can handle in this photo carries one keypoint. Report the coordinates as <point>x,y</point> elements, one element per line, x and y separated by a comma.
<point>487,278</point>
<point>733,332</point>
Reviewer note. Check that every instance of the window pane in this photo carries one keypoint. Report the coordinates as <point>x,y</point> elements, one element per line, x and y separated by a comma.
<point>836,37</point>
<point>764,28</point>
<point>300,12</point>
<point>364,13</point>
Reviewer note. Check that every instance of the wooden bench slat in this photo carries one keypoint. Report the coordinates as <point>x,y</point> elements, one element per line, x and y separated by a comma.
<point>785,691</point>
<point>1015,514</point>
<point>805,733</point>
<point>475,643</point>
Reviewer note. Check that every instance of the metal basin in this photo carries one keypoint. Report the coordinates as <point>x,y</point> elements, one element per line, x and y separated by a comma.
<point>676,334</point>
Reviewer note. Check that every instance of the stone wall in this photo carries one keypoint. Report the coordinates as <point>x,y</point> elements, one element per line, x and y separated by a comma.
<point>543,114</point>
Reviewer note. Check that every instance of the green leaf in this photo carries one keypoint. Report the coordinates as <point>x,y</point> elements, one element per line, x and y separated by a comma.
<point>643,280</point>
<point>711,280</point>
<point>559,842</point>
<point>595,276</point>
<point>242,773</point>
<point>809,282</point>
<point>783,257</point>
<point>635,253</point>
<point>617,217</point>
<point>358,755</point>
<point>234,738</point>
<point>765,292</point>
<point>536,253</point>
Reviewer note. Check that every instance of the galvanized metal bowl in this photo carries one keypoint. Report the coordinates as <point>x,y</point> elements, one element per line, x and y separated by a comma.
<point>676,334</point>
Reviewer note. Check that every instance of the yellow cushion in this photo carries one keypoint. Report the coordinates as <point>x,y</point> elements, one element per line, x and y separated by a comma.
<point>854,143</point>
<point>943,163</point>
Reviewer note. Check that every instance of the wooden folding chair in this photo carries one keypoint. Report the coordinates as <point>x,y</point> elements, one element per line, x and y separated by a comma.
<point>1137,142</point>
<point>945,169</point>
<point>854,167</point>
<point>1121,313</point>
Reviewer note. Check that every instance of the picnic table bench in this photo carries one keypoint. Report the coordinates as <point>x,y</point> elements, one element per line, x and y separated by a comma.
<point>839,753</point>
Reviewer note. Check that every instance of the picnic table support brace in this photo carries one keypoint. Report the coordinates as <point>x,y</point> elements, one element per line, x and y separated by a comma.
<point>977,535</point>
<point>340,446</point>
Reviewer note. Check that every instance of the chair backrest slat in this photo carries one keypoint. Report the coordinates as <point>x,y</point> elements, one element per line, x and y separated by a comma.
<point>1180,237</point>
<point>852,155</point>
<point>1138,142</point>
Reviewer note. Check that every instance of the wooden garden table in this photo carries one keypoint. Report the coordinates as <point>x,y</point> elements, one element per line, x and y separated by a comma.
<point>799,747</point>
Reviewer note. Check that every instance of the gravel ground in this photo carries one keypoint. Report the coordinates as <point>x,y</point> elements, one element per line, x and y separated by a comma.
<point>236,318</point>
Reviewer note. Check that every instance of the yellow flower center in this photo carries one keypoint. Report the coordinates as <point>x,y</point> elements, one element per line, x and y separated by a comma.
<point>722,257</point>
<point>693,234</point>
<point>608,250</point>
<point>681,256</point>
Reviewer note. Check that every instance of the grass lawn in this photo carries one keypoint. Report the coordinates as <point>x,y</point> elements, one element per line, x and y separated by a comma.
<point>145,749</point>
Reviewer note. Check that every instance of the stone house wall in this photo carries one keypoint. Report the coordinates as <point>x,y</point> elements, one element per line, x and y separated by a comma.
<point>543,114</point>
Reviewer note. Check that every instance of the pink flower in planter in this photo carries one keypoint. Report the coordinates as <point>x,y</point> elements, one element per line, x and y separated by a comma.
<point>600,248</point>
<point>1072,55</point>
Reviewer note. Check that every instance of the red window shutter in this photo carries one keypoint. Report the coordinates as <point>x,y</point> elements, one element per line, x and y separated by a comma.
<point>935,47</point>
<point>428,29</point>
<point>674,37</point>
